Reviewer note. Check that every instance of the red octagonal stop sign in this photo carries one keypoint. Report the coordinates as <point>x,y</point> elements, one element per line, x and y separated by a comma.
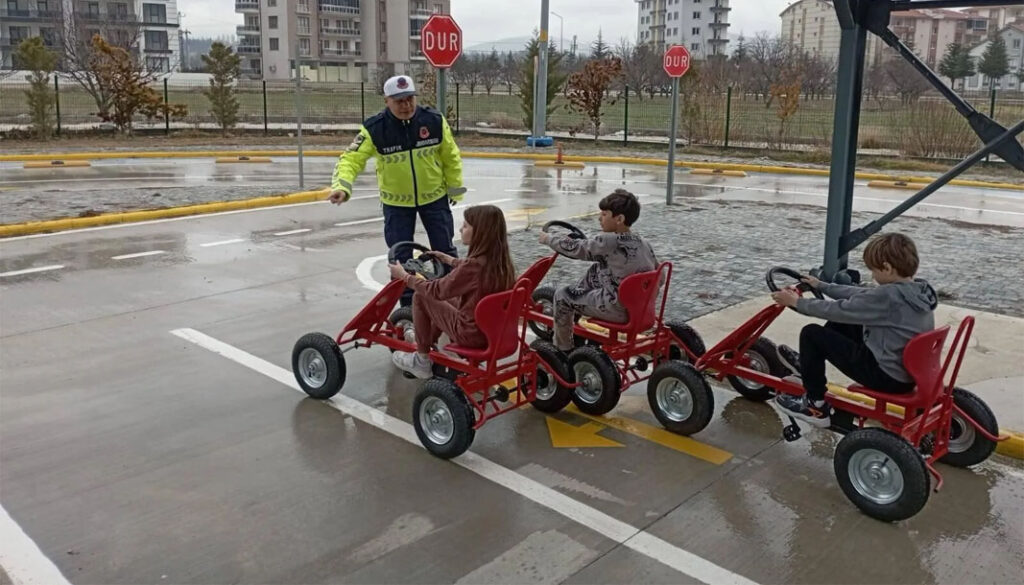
<point>677,61</point>
<point>441,41</point>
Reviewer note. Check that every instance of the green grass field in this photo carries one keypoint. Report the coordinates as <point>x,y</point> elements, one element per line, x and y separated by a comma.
<point>929,128</point>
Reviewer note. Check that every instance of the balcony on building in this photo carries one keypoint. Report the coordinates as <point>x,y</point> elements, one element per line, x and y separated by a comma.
<point>251,72</point>
<point>717,8</point>
<point>718,41</point>
<point>329,52</point>
<point>247,6</point>
<point>248,49</point>
<point>29,14</point>
<point>248,30</point>
<point>340,32</point>
<point>336,9</point>
<point>304,31</point>
<point>719,25</point>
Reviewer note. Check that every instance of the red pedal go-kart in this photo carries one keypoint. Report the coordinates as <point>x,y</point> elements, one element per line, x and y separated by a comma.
<point>885,460</point>
<point>611,357</point>
<point>448,408</point>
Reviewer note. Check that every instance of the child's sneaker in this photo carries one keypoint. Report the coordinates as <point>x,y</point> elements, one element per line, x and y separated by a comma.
<point>802,408</point>
<point>790,358</point>
<point>413,363</point>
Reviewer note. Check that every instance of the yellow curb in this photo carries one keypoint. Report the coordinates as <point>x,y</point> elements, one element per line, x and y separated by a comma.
<point>1012,447</point>
<point>56,164</point>
<point>244,159</point>
<point>56,225</point>
<point>508,155</point>
<point>721,172</point>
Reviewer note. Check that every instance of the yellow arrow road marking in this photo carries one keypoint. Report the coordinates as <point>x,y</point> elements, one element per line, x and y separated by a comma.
<point>660,436</point>
<point>564,435</point>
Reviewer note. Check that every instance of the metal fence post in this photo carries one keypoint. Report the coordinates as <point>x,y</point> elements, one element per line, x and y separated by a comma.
<point>167,110</point>
<point>991,110</point>
<point>458,110</point>
<point>362,100</point>
<point>56,99</point>
<point>728,114</point>
<point>266,126</point>
<point>625,120</point>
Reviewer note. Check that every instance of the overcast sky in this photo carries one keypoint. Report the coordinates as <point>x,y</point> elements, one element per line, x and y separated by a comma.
<point>514,18</point>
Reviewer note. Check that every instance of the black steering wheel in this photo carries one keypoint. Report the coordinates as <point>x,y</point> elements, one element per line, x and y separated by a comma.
<point>801,286</point>
<point>427,265</point>
<point>574,232</point>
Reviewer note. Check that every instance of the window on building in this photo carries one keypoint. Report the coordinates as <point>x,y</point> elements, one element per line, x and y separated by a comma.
<point>303,25</point>
<point>154,13</point>
<point>272,22</point>
<point>695,47</point>
<point>1016,43</point>
<point>695,31</point>
<point>275,44</point>
<point>156,40</point>
<point>304,47</point>
<point>161,64</point>
<point>696,15</point>
<point>91,8</point>
<point>271,3</point>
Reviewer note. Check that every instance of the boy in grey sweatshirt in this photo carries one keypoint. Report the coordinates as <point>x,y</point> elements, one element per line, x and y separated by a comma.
<point>616,252</point>
<point>866,331</point>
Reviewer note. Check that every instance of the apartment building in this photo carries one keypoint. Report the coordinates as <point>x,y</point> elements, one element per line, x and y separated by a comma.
<point>1013,36</point>
<point>989,19</point>
<point>335,40</point>
<point>812,26</point>
<point>152,25</point>
<point>701,25</point>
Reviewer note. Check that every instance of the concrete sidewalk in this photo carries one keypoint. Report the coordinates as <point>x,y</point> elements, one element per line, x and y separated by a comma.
<point>993,367</point>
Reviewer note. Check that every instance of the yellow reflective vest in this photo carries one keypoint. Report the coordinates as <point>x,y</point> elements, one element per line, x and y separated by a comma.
<point>417,160</point>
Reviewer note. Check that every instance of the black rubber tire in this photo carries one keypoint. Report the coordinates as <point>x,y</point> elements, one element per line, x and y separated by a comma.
<point>978,448</point>
<point>689,336</point>
<point>330,358</point>
<point>702,399</point>
<point>608,376</point>
<point>461,414</point>
<point>543,294</point>
<point>916,482</point>
<point>764,348</point>
<point>401,314</point>
<point>554,361</point>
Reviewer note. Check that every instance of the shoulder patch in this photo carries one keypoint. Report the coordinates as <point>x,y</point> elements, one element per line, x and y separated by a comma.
<point>359,140</point>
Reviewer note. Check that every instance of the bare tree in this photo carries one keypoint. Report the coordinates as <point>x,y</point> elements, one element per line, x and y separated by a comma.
<point>640,66</point>
<point>819,76</point>
<point>510,71</point>
<point>904,80</point>
<point>774,62</point>
<point>118,29</point>
<point>490,71</point>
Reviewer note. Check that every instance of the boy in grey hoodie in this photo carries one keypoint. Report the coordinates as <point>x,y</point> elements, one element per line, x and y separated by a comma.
<point>616,253</point>
<point>866,331</point>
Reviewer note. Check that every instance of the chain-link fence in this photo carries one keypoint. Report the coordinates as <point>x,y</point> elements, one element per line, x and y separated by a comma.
<point>925,127</point>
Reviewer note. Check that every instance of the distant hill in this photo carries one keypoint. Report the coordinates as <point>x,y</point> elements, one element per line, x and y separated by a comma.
<point>514,44</point>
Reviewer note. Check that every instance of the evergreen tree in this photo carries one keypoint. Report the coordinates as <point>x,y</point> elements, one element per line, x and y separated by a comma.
<point>994,62</point>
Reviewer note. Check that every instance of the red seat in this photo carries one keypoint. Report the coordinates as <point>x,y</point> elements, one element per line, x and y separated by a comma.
<point>637,293</point>
<point>497,316</point>
<point>922,358</point>
<point>537,271</point>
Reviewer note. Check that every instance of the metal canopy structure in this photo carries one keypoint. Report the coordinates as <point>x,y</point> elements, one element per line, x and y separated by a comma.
<point>857,18</point>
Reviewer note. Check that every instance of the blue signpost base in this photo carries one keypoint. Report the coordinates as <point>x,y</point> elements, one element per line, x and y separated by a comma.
<point>540,141</point>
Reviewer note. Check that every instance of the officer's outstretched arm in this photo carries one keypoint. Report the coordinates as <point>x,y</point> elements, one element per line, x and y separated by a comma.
<point>451,161</point>
<point>352,162</point>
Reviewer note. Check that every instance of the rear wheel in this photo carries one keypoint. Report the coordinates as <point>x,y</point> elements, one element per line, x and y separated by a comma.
<point>680,397</point>
<point>318,365</point>
<point>966,445</point>
<point>551,395</point>
<point>443,418</point>
<point>598,392</point>
<point>694,344</point>
<point>882,474</point>
<point>545,297</point>
<point>761,357</point>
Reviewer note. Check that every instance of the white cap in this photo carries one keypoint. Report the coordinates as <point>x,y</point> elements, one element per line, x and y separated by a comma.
<point>399,86</point>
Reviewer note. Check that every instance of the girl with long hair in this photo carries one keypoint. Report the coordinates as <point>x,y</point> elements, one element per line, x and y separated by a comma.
<point>447,305</point>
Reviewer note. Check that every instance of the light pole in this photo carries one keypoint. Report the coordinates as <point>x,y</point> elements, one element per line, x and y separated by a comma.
<point>561,30</point>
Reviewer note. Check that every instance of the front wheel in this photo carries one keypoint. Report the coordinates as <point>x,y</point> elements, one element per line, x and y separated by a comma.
<point>693,344</point>
<point>882,474</point>
<point>545,297</point>
<point>443,418</point>
<point>761,357</point>
<point>318,365</point>
<point>598,379</point>
<point>967,446</point>
<point>680,398</point>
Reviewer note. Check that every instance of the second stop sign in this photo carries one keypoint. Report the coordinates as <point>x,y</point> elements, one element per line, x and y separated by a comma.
<point>677,61</point>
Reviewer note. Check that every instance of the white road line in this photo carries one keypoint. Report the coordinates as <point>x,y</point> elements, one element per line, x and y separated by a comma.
<point>592,518</point>
<point>293,232</point>
<point>21,558</point>
<point>364,272</point>
<point>358,221</point>
<point>520,190</point>
<point>138,255</point>
<point>223,242</point>
<point>32,270</point>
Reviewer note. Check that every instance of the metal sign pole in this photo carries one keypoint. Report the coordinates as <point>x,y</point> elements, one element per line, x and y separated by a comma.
<point>298,112</point>
<point>672,140</point>
<point>442,91</point>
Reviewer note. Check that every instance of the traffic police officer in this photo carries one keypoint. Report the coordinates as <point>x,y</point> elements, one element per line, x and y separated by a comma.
<point>419,169</point>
